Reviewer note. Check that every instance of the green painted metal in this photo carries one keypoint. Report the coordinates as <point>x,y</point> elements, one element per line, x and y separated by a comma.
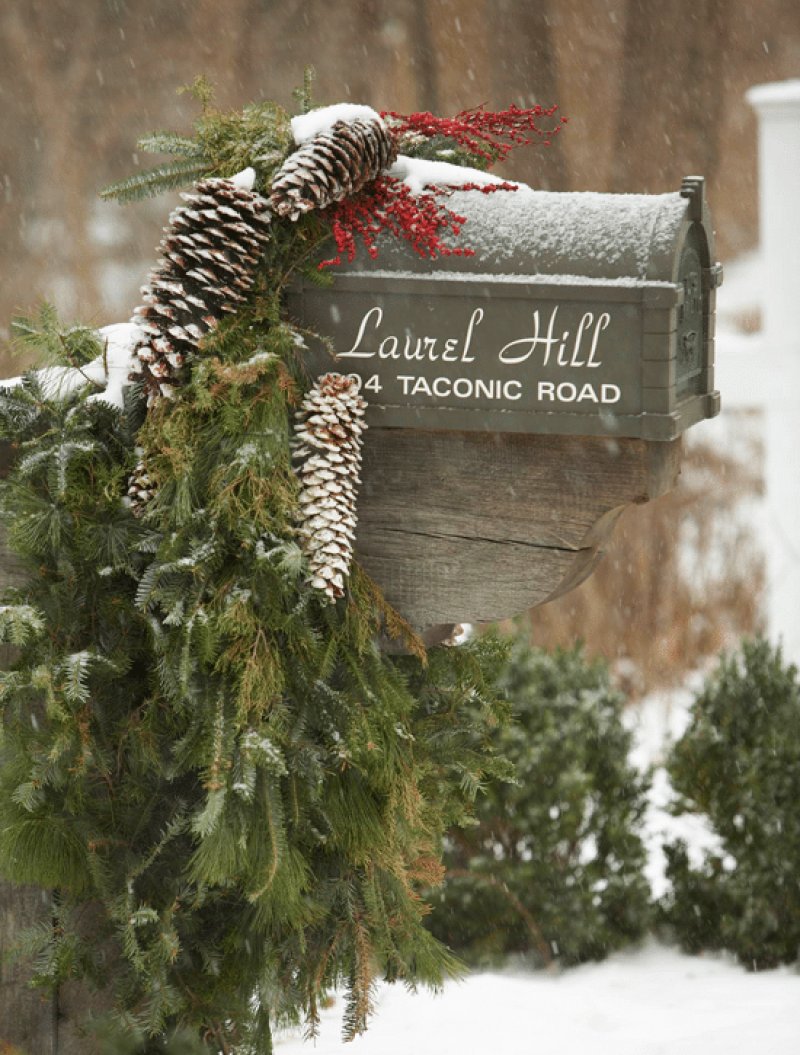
<point>619,342</point>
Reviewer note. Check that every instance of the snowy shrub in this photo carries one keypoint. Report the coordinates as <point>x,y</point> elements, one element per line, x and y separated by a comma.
<point>553,867</point>
<point>739,764</point>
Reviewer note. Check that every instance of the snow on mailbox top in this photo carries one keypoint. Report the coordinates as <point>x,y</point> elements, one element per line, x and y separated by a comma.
<point>578,313</point>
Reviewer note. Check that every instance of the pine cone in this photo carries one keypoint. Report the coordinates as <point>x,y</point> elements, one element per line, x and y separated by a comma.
<point>333,165</point>
<point>209,256</point>
<point>140,487</point>
<point>328,449</point>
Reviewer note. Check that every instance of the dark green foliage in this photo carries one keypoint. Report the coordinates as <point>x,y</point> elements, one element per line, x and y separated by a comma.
<point>738,763</point>
<point>224,143</point>
<point>243,792</point>
<point>553,868</point>
<point>49,341</point>
<point>112,1039</point>
<point>237,799</point>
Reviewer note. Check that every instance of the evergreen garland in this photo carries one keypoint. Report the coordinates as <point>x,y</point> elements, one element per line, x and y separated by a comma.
<point>249,793</point>
<point>243,791</point>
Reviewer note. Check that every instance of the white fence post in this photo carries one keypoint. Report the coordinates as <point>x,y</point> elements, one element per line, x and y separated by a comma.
<point>778,110</point>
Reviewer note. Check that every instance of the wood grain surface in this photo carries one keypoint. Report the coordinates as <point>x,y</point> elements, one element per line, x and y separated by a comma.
<point>475,527</point>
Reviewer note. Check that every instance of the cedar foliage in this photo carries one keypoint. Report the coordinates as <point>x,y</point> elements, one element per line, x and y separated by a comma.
<point>553,869</point>
<point>738,765</point>
<point>245,794</point>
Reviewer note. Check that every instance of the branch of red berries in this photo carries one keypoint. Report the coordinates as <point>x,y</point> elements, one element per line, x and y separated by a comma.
<point>487,134</point>
<point>422,220</point>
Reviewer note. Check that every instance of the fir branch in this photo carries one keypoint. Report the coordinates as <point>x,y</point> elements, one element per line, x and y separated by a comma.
<point>20,623</point>
<point>171,176</point>
<point>202,89</point>
<point>367,595</point>
<point>43,334</point>
<point>361,985</point>
<point>170,143</point>
<point>44,850</point>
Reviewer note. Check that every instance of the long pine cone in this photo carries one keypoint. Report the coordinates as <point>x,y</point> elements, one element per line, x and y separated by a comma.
<point>208,259</point>
<point>327,446</point>
<point>333,165</point>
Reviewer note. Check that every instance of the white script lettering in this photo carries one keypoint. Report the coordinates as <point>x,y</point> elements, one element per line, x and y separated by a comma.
<point>413,348</point>
<point>520,350</point>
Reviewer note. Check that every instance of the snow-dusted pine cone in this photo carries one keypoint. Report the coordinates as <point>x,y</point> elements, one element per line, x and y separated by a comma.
<point>140,487</point>
<point>327,449</point>
<point>332,166</point>
<point>208,258</point>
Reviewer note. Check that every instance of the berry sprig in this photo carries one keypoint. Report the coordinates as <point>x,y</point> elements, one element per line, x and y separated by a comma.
<point>389,205</point>
<point>477,137</point>
<point>485,135</point>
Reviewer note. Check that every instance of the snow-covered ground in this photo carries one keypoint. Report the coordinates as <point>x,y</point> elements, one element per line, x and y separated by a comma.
<point>651,1000</point>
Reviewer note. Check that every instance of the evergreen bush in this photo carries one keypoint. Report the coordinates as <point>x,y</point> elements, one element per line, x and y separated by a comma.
<point>553,867</point>
<point>738,764</point>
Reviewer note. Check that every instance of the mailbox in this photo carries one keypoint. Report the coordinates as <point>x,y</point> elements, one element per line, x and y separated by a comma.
<point>589,314</point>
<point>521,397</point>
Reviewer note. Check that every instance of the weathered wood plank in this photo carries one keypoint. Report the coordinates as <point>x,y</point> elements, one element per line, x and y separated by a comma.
<point>78,1004</point>
<point>27,1016</point>
<point>481,526</point>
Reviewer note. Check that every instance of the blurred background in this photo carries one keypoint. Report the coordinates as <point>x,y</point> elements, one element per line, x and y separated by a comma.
<point>653,91</point>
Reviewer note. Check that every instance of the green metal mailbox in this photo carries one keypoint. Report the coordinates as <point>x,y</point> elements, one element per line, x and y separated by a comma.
<point>521,397</point>
<point>579,314</point>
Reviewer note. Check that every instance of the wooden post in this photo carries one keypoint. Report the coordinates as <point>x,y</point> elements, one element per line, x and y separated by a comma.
<point>34,1021</point>
<point>27,1016</point>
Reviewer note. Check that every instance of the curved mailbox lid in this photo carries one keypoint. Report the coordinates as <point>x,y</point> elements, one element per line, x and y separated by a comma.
<point>542,233</point>
<point>579,313</point>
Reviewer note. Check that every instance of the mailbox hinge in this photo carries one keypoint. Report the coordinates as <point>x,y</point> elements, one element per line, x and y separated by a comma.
<point>693,188</point>
<point>712,276</point>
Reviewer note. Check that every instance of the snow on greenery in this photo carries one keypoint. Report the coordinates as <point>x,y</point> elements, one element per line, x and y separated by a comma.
<point>306,126</point>
<point>419,173</point>
<point>108,374</point>
<point>245,179</point>
<point>738,766</point>
<point>554,867</point>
